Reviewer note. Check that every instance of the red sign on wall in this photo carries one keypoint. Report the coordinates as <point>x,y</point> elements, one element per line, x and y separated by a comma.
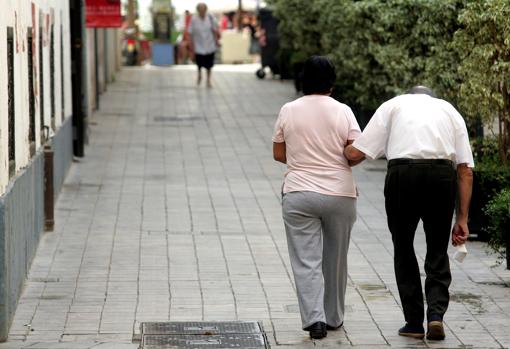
<point>103,14</point>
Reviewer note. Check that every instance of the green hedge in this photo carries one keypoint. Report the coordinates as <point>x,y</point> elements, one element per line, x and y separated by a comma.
<point>498,211</point>
<point>460,48</point>
<point>380,48</point>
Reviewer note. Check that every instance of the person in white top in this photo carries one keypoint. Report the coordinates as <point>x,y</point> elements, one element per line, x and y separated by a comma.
<point>426,142</point>
<point>204,37</point>
<point>319,195</point>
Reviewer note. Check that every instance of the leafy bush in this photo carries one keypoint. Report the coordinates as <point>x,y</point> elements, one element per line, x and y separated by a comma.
<point>299,26</point>
<point>460,48</point>
<point>381,48</point>
<point>491,177</point>
<point>498,211</point>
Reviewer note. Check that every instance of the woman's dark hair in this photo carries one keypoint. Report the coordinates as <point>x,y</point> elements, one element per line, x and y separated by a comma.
<point>318,75</point>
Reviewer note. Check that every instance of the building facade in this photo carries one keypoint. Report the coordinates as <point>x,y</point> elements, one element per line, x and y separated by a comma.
<point>37,122</point>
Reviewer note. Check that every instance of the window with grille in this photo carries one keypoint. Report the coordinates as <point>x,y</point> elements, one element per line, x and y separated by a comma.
<point>62,89</point>
<point>31,96</point>
<point>52,75</point>
<point>41,79</point>
<point>10,96</point>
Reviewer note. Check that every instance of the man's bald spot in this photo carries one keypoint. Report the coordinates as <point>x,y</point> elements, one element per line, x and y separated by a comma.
<point>420,89</point>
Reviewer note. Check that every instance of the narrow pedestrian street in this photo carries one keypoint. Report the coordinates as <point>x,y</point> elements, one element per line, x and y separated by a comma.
<point>174,215</point>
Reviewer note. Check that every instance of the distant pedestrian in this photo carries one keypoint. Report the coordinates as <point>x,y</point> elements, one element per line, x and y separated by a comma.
<point>204,37</point>
<point>318,195</point>
<point>184,42</point>
<point>426,142</point>
<point>253,28</point>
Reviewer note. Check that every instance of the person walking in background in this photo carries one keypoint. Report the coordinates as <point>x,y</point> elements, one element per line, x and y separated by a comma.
<point>204,37</point>
<point>318,195</point>
<point>184,46</point>
<point>253,30</point>
<point>426,142</point>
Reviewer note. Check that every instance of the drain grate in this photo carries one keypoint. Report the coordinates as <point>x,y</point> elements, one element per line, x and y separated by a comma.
<point>201,328</point>
<point>223,341</point>
<point>198,335</point>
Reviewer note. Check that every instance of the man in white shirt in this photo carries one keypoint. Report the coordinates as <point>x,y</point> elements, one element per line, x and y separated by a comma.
<point>430,160</point>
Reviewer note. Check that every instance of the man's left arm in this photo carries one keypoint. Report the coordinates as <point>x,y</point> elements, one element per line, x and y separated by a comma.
<point>460,230</point>
<point>465,163</point>
<point>372,142</point>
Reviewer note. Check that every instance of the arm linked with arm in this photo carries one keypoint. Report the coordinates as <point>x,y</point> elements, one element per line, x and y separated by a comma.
<point>460,230</point>
<point>353,155</point>
<point>372,141</point>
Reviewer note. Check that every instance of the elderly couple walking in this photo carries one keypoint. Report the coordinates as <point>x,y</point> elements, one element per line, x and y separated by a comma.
<point>429,166</point>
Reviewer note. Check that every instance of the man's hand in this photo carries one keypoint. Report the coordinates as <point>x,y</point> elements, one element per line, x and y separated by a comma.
<point>460,233</point>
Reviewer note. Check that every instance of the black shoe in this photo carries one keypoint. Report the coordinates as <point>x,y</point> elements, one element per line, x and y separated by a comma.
<point>317,330</point>
<point>334,328</point>
<point>413,331</point>
<point>435,331</point>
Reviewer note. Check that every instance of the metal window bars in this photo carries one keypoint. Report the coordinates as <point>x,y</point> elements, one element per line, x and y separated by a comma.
<point>62,89</point>
<point>31,95</point>
<point>52,75</point>
<point>41,78</point>
<point>11,104</point>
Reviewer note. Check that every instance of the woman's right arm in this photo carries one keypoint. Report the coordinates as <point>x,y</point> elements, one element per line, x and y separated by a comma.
<point>280,152</point>
<point>354,154</point>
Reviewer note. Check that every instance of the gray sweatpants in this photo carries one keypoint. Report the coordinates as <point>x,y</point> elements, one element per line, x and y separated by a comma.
<point>318,232</point>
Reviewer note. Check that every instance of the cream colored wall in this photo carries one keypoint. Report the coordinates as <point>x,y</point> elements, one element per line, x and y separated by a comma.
<point>91,71</point>
<point>108,54</point>
<point>18,14</point>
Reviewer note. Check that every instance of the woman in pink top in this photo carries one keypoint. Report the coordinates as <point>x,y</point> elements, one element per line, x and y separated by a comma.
<point>319,195</point>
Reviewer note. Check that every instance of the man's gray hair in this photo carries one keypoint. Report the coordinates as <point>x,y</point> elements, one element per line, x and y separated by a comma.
<point>420,89</point>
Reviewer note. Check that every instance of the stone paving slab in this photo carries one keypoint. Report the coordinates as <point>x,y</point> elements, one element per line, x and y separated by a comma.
<point>174,215</point>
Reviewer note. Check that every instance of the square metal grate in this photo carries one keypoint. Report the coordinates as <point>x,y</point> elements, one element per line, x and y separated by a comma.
<point>199,334</point>
<point>201,328</point>
<point>223,341</point>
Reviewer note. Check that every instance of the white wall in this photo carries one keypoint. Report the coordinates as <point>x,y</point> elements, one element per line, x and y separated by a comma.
<point>109,60</point>
<point>91,71</point>
<point>18,14</point>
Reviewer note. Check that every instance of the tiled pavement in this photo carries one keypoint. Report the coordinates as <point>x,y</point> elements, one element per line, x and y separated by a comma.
<point>175,215</point>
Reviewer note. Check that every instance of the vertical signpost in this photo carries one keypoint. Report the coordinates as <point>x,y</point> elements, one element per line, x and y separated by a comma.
<point>162,48</point>
<point>101,14</point>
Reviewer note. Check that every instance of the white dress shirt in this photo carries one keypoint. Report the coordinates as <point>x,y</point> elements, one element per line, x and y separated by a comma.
<point>201,31</point>
<point>416,126</point>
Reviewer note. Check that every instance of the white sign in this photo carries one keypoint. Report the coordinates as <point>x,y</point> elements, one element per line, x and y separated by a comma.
<point>161,6</point>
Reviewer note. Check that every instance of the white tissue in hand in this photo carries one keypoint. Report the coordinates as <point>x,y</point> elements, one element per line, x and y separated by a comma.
<point>461,253</point>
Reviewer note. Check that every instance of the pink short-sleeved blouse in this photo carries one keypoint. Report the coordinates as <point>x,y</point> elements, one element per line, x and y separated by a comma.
<point>315,130</point>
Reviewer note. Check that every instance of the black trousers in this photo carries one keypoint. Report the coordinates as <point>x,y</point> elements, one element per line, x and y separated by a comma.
<point>423,190</point>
